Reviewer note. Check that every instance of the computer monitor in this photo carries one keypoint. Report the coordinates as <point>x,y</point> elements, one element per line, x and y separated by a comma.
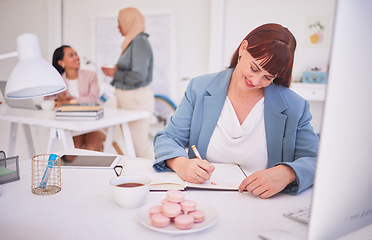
<point>342,198</point>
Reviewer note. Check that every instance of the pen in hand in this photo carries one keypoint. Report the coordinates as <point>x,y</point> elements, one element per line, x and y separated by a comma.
<point>207,169</point>
<point>197,154</point>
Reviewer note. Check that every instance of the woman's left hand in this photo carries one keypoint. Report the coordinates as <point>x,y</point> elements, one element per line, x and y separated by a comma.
<point>268,182</point>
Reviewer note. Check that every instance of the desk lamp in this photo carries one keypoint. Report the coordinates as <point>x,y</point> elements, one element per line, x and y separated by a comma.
<point>32,76</point>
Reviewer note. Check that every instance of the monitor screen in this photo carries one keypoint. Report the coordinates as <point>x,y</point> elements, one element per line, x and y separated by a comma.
<point>342,199</point>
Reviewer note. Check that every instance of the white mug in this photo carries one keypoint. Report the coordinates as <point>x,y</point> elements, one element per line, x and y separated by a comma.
<point>47,105</point>
<point>127,195</point>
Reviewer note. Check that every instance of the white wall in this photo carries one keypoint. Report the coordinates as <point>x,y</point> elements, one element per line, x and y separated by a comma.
<point>192,21</point>
<point>16,17</point>
<point>241,16</point>
<point>190,32</point>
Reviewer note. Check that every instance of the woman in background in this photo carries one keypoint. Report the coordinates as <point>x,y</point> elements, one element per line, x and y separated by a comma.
<point>132,76</point>
<point>245,115</point>
<point>82,87</point>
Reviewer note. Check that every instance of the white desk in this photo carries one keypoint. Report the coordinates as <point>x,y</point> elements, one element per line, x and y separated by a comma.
<point>65,130</point>
<point>85,209</point>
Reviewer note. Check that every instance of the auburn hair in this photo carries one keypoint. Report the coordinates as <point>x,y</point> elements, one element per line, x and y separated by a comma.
<point>275,45</point>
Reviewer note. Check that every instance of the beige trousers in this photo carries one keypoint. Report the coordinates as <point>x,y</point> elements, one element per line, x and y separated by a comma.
<point>139,99</point>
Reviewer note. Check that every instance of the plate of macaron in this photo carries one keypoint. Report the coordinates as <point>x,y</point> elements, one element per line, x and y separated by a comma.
<point>177,214</point>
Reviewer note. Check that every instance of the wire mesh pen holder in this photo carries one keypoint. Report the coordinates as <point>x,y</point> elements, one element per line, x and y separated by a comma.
<point>39,167</point>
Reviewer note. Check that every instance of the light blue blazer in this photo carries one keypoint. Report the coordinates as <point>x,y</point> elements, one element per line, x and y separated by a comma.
<point>290,137</point>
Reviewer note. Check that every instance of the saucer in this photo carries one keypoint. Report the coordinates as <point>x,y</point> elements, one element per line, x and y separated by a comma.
<point>211,217</point>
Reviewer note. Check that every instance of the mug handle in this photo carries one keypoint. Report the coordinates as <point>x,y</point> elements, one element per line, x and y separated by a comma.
<point>116,171</point>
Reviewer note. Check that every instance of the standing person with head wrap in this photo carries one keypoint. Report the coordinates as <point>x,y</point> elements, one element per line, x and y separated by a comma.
<point>132,76</point>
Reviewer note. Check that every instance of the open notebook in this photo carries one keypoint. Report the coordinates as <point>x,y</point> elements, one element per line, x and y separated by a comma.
<point>224,177</point>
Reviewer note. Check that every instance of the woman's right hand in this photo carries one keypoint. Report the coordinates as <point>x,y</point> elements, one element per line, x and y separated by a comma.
<point>109,71</point>
<point>63,98</point>
<point>191,170</point>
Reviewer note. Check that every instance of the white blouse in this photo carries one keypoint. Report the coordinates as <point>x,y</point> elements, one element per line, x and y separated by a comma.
<point>72,86</point>
<point>243,144</point>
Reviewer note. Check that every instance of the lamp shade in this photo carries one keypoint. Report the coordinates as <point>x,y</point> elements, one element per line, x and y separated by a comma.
<point>32,76</point>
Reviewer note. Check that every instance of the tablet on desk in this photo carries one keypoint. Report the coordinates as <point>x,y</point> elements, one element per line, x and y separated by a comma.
<point>89,161</point>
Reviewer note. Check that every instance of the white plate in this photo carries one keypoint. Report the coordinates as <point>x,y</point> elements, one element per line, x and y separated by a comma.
<point>210,218</point>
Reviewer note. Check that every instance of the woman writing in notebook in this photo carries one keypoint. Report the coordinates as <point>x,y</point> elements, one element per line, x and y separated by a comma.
<point>82,87</point>
<point>246,115</point>
<point>132,76</point>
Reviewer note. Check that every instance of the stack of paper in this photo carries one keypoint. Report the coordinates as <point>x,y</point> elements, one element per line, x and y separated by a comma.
<point>7,174</point>
<point>79,112</point>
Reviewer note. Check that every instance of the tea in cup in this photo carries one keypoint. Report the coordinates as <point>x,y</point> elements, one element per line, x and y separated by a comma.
<point>130,191</point>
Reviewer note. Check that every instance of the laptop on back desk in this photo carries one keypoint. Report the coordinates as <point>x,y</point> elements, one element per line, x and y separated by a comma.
<point>17,103</point>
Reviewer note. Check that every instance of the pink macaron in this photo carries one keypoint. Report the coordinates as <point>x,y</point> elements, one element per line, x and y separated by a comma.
<point>184,222</point>
<point>175,196</point>
<point>159,220</point>
<point>164,201</point>
<point>198,215</point>
<point>171,209</point>
<point>188,205</point>
<point>155,209</point>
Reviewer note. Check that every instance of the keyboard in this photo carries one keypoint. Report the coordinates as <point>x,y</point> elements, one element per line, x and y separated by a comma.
<point>300,214</point>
